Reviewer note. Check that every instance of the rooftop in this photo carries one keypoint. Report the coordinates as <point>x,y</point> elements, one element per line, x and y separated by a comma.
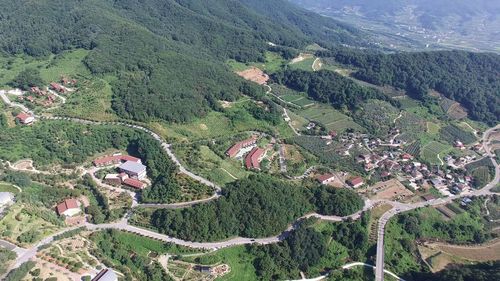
<point>133,167</point>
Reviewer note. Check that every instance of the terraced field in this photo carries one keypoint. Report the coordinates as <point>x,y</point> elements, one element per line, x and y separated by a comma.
<point>332,119</point>
<point>431,150</point>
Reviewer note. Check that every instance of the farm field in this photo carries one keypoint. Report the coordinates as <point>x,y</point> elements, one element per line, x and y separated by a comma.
<point>433,128</point>
<point>91,101</point>
<point>452,133</point>
<point>431,150</point>
<point>238,259</point>
<point>207,163</point>
<point>23,227</point>
<point>218,124</point>
<point>329,117</point>
<point>291,96</point>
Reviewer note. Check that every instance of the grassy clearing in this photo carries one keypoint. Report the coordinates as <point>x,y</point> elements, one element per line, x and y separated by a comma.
<point>305,64</point>
<point>7,187</point>
<point>273,63</point>
<point>430,151</point>
<point>51,67</point>
<point>238,259</point>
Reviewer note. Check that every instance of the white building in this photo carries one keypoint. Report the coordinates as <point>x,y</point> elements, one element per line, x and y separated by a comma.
<point>134,169</point>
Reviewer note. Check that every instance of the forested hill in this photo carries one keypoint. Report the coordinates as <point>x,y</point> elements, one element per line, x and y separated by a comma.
<point>164,52</point>
<point>471,79</point>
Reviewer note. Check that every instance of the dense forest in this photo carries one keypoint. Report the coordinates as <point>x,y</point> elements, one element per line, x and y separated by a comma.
<point>258,206</point>
<point>167,55</point>
<point>468,78</point>
<point>311,251</point>
<point>328,87</point>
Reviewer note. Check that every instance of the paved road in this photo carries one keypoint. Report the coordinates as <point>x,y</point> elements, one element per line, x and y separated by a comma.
<point>166,147</point>
<point>486,190</point>
<point>25,254</point>
<point>6,100</point>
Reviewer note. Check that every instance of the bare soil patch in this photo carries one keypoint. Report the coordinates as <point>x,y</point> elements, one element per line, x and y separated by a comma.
<point>254,74</point>
<point>485,252</point>
<point>390,190</point>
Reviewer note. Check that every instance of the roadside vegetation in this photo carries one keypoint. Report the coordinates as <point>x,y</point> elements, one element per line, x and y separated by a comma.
<point>258,206</point>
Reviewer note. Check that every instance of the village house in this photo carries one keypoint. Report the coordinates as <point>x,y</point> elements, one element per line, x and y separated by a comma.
<point>252,160</point>
<point>57,87</point>
<point>356,182</point>
<point>325,178</point>
<point>25,118</point>
<point>133,169</point>
<point>236,149</point>
<point>68,207</point>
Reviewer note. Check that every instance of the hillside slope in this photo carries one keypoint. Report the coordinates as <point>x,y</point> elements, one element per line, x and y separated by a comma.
<point>435,23</point>
<point>164,53</point>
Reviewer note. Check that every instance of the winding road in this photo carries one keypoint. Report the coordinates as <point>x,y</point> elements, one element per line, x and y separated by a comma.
<point>26,254</point>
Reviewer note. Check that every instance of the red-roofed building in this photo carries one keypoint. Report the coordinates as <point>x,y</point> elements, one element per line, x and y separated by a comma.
<point>356,182</point>
<point>115,159</point>
<point>252,160</point>
<point>25,118</point>
<point>326,178</point>
<point>236,148</point>
<point>68,207</point>
<point>56,87</point>
<point>134,183</point>
<point>406,157</point>
<point>30,98</point>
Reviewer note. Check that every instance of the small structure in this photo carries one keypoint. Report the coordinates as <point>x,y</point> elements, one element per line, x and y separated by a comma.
<point>325,178</point>
<point>113,179</point>
<point>356,182</point>
<point>252,160</point>
<point>134,183</point>
<point>68,207</point>
<point>6,198</point>
<point>25,118</point>
<point>133,169</point>
<point>106,274</point>
<point>234,150</point>
<point>429,197</point>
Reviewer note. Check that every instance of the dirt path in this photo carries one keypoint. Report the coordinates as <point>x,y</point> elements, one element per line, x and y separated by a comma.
<point>231,175</point>
<point>317,64</point>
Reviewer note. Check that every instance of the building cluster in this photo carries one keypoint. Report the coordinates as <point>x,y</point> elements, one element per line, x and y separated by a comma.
<point>39,97</point>
<point>387,159</point>
<point>131,170</point>
<point>248,149</point>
